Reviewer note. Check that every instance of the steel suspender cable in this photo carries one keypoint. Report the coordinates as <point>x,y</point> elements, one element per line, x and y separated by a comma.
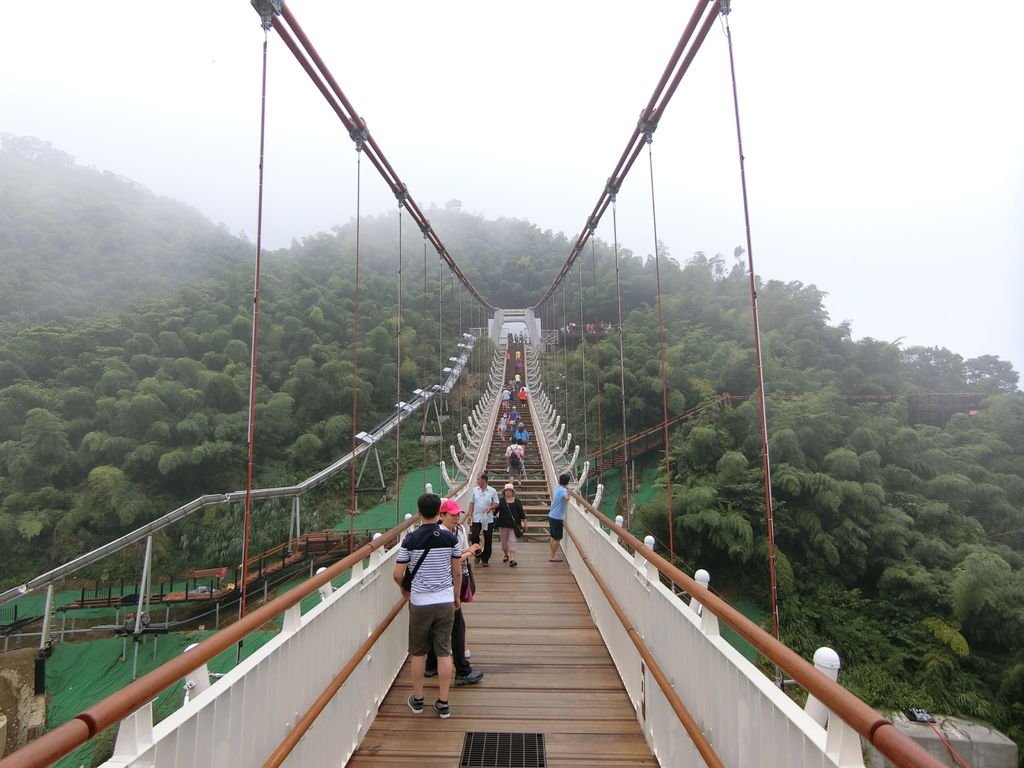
<point>583,366</point>
<point>622,369</point>
<point>597,355</point>
<point>440,352</point>
<point>661,356</point>
<point>251,431</point>
<point>565,355</point>
<point>398,377</point>
<point>766,461</point>
<point>353,503</point>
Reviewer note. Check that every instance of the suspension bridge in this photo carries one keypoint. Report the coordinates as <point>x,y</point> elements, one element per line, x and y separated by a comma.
<point>613,657</point>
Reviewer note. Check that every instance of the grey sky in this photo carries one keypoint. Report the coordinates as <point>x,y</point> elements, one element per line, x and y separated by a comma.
<point>884,141</point>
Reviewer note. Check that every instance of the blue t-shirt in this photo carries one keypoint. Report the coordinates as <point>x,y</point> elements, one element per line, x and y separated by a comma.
<point>521,434</point>
<point>559,499</point>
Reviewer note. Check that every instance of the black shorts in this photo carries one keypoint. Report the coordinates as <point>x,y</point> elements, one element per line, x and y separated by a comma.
<point>556,528</point>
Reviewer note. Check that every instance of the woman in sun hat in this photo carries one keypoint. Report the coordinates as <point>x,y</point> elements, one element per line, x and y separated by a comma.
<point>510,516</point>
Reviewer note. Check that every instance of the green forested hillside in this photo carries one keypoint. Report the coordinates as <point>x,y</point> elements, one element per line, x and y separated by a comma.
<point>77,242</point>
<point>901,545</point>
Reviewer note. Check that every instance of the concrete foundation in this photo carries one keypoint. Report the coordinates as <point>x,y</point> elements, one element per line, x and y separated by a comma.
<point>978,745</point>
<point>25,712</point>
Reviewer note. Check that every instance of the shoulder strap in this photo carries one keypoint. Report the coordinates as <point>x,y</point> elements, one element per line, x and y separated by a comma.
<point>430,542</point>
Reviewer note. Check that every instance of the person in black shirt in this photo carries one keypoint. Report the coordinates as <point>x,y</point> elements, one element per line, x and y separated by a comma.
<point>510,516</point>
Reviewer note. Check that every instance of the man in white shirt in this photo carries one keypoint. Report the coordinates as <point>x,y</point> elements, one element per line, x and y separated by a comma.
<point>481,511</point>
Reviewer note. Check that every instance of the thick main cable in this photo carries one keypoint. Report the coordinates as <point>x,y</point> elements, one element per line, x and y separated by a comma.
<point>291,32</point>
<point>649,119</point>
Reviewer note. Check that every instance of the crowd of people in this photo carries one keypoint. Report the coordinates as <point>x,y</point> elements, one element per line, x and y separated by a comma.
<point>434,566</point>
<point>433,571</point>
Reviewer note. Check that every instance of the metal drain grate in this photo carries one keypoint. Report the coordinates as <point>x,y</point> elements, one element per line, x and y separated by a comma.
<point>487,749</point>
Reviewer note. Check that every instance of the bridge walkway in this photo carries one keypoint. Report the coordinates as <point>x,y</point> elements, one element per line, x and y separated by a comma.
<point>546,670</point>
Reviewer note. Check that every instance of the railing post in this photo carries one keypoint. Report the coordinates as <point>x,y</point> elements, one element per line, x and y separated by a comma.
<point>827,662</point>
<point>613,537</point>
<point>378,555</point>
<point>645,566</point>
<point>327,589</point>
<point>703,578</point>
<point>196,681</point>
<point>135,733</point>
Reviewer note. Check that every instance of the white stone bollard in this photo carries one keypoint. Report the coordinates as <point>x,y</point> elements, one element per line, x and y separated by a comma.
<point>827,662</point>
<point>703,578</point>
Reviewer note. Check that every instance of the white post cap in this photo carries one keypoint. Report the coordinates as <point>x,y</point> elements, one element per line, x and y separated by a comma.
<point>827,659</point>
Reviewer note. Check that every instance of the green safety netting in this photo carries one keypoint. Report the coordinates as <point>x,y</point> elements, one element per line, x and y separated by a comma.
<point>79,674</point>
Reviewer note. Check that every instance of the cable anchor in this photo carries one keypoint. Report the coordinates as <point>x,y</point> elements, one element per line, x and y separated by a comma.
<point>647,128</point>
<point>267,9</point>
<point>360,134</point>
<point>611,189</point>
<point>402,194</point>
<point>724,7</point>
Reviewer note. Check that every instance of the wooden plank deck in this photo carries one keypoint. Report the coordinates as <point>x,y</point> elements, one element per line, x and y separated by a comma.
<point>546,670</point>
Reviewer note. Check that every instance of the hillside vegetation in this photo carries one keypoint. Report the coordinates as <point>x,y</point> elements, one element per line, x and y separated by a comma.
<point>75,242</point>
<point>900,545</point>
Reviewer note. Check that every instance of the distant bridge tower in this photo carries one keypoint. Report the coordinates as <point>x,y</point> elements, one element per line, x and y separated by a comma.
<point>503,317</point>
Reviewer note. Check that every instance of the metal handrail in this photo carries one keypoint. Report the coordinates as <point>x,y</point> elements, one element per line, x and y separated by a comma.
<point>700,741</point>
<point>67,737</point>
<point>289,742</point>
<point>875,729</point>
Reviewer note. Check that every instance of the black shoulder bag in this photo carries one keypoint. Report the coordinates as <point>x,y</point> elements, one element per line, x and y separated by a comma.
<point>410,575</point>
<point>517,523</point>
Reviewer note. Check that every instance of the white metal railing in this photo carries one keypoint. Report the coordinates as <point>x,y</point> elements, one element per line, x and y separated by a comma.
<point>747,719</point>
<point>240,719</point>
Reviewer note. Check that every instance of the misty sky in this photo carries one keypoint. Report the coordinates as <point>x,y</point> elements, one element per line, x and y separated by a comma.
<point>884,141</point>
